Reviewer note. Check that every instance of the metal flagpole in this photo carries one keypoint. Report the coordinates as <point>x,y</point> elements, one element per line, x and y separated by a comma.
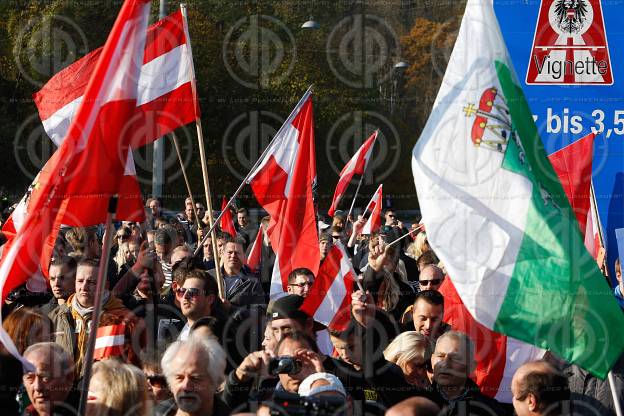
<point>97,311</point>
<point>204,165</point>
<point>255,166</point>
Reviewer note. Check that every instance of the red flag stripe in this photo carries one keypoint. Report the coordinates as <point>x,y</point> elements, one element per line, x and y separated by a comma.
<point>164,36</point>
<point>227,220</point>
<point>254,259</point>
<point>573,165</point>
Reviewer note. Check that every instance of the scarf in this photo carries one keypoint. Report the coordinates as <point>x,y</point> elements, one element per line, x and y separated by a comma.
<point>82,319</point>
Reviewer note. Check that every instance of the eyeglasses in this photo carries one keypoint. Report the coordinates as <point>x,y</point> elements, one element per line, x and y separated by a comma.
<point>190,293</point>
<point>429,282</point>
<point>301,285</point>
<point>157,380</point>
<point>336,237</point>
<point>123,236</point>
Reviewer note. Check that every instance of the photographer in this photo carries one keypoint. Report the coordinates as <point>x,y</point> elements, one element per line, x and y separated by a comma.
<point>263,373</point>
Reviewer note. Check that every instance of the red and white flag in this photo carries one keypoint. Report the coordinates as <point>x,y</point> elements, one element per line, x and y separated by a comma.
<point>227,220</point>
<point>109,341</point>
<point>329,301</point>
<point>374,207</point>
<point>165,99</point>
<point>254,258</point>
<point>282,184</point>
<point>573,165</point>
<point>88,166</point>
<point>498,356</point>
<point>592,231</point>
<point>356,166</point>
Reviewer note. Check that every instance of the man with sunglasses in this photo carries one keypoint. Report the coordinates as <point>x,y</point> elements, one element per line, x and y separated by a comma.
<point>431,277</point>
<point>197,295</point>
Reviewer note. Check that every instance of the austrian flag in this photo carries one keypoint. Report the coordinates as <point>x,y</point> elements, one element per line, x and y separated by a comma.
<point>356,166</point>
<point>330,298</point>
<point>282,183</point>
<point>109,341</point>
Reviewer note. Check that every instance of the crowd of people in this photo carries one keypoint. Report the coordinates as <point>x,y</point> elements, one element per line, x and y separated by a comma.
<point>168,344</point>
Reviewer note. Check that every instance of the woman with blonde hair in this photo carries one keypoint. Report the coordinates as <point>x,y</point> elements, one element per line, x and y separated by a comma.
<point>419,246</point>
<point>411,351</point>
<point>117,389</point>
<point>124,259</point>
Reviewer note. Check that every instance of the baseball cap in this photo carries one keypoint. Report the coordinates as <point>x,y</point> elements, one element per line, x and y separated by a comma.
<point>306,389</point>
<point>287,307</point>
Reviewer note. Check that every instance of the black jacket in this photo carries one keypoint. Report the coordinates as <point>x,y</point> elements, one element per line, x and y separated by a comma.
<point>236,394</point>
<point>473,403</point>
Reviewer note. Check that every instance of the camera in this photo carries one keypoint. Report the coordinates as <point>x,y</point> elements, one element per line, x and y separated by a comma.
<point>285,403</point>
<point>284,365</point>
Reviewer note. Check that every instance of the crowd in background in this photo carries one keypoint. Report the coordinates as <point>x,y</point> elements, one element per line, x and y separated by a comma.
<point>167,344</point>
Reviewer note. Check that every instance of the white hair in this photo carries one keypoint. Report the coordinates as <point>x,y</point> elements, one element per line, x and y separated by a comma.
<point>61,356</point>
<point>208,346</point>
<point>407,347</point>
<point>463,340</point>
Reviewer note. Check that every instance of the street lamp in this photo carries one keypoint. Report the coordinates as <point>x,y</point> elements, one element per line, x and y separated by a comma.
<point>310,24</point>
<point>401,66</point>
<point>399,70</point>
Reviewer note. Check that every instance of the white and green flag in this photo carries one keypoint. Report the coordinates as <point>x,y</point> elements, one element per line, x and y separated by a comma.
<point>497,215</point>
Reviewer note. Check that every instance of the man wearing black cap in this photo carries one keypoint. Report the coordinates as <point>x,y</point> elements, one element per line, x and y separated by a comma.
<point>286,317</point>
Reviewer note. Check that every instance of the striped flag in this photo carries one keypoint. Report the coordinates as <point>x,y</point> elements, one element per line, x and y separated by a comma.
<point>356,166</point>
<point>496,212</point>
<point>373,224</point>
<point>573,165</point>
<point>89,164</point>
<point>164,101</point>
<point>109,341</point>
<point>282,184</point>
<point>329,301</point>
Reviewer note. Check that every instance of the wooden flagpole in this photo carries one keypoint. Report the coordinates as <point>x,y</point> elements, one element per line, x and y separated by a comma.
<point>97,310</point>
<point>204,165</point>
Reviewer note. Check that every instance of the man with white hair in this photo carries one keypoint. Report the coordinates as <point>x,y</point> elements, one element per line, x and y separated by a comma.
<point>194,370</point>
<point>453,362</point>
<point>50,383</point>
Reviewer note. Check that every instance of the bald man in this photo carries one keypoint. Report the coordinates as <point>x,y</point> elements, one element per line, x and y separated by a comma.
<point>414,406</point>
<point>539,389</point>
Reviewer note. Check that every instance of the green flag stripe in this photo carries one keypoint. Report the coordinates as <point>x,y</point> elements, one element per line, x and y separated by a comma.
<point>557,298</point>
